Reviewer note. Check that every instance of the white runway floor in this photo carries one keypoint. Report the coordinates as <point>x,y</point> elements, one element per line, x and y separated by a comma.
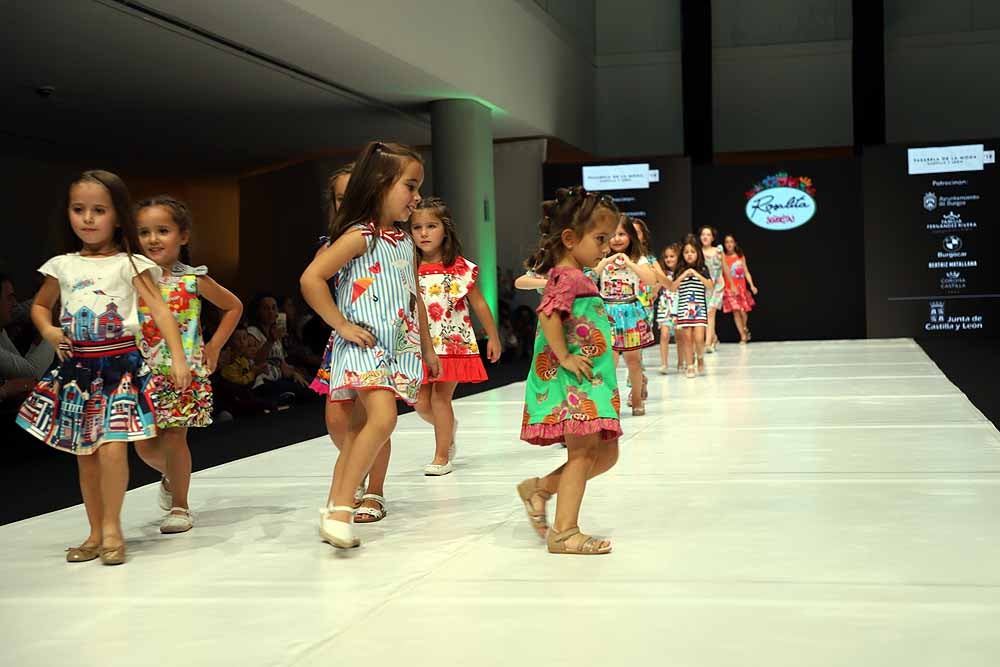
<point>830,503</point>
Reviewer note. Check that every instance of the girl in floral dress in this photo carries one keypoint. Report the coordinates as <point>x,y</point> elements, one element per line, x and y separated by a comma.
<point>99,398</point>
<point>448,287</point>
<point>571,395</point>
<point>620,277</point>
<point>164,226</point>
<point>712,254</point>
<point>378,343</point>
<point>738,299</point>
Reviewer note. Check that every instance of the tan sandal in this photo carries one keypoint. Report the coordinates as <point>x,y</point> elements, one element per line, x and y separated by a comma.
<point>83,553</point>
<point>527,490</point>
<point>590,547</point>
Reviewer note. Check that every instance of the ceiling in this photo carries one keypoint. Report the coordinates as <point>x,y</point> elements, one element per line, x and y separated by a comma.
<point>127,84</point>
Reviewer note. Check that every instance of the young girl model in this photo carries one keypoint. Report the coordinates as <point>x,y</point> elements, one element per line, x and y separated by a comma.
<point>98,398</point>
<point>713,260</point>
<point>164,228</point>
<point>572,392</point>
<point>692,283</point>
<point>619,279</point>
<point>369,497</point>
<point>737,299</point>
<point>378,344</point>
<point>666,306</point>
<point>448,287</point>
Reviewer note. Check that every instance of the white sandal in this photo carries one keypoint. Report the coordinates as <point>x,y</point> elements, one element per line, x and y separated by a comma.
<point>376,513</point>
<point>339,534</point>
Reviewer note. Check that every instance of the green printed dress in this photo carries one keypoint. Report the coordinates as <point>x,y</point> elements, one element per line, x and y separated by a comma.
<point>556,403</point>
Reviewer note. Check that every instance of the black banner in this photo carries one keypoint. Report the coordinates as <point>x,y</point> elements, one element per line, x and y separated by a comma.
<point>930,219</point>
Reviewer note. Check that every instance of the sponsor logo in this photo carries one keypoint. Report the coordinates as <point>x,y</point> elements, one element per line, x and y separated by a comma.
<point>952,248</point>
<point>781,202</point>
<point>953,280</point>
<point>933,200</point>
<point>951,222</point>
<point>940,159</point>
<point>930,201</point>
<point>938,320</point>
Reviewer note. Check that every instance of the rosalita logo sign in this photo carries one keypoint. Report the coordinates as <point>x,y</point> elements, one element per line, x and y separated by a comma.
<point>781,202</point>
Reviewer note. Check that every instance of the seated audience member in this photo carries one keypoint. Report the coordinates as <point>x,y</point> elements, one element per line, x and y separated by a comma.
<point>279,378</point>
<point>18,373</point>
<point>237,373</point>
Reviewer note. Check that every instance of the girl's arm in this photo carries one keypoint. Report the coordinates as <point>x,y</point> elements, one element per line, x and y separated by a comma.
<point>41,317</point>
<point>661,277</point>
<point>708,282</point>
<point>232,311</point>
<point>315,291</point>
<point>528,281</point>
<point>552,327</point>
<point>180,374</point>
<point>644,271</point>
<point>430,357</point>
<point>478,303</point>
<point>746,269</point>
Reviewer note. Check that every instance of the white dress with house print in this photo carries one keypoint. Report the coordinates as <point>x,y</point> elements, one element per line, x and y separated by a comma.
<point>102,392</point>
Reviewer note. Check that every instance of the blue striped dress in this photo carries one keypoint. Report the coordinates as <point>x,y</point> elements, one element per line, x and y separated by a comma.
<point>377,291</point>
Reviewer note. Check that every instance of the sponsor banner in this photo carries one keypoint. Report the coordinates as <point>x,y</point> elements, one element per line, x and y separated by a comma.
<point>603,178</point>
<point>945,159</point>
<point>940,319</point>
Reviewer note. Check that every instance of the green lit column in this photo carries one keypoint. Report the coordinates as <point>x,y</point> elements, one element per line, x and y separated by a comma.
<point>462,133</point>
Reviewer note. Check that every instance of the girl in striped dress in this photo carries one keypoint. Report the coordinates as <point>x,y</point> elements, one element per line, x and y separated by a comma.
<point>379,348</point>
<point>692,283</point>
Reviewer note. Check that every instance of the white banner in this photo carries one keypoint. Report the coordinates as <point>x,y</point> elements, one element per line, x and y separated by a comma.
<point>942,159</point>
<point>619,177</point>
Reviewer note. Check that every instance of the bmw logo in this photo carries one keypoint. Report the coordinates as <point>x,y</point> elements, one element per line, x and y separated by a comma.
<point>952,243</point>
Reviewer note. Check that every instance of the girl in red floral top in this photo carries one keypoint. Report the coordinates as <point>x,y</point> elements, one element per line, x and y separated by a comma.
<point>448,287</point>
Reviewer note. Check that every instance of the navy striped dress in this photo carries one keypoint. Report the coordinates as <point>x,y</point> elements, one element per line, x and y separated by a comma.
<point>377,291</point>
<point>692,302</point>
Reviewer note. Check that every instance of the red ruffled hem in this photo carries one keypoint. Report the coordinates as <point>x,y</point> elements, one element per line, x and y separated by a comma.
<point>552,434</point>
<point>737,300</point>
<point>321,387</point>
<point>464,368</point>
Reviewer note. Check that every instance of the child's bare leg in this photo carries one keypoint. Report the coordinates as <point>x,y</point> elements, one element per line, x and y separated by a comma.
<point>710,334</point>
<point>423,404</point>
<point>90,489</point>
<point>173,441</point>
<point>664,346</point>
<point>607,456</point>
<point>633,360</point>
<point>113,460</point>
<point>444,420</point>
<point>582,454</point>
<point>699,335</point>
<point>353,465</point>
<point>153,454</point>
<point>340,423</point>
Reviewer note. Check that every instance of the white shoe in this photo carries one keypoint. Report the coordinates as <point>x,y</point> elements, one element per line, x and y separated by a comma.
<point>178,521</point>
<point>339,534</point>
<point>360,491</point>
<point>166,498</point>
<point>434,470</point>
<point>664,370</point>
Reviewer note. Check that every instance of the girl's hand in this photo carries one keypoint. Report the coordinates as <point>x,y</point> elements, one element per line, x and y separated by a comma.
<point>352,333</point>
<point>493,350</point>
<point>55,337</point>
<point>180,374</point>
<point>578,366</point>
<point>753,288</point>
<point>211,356</point>
<point>433,364</point>
<point>273,333</point>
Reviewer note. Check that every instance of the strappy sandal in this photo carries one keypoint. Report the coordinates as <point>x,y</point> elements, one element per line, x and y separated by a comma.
<point>375,513</point>
<point>339,534</point>
<point>590,546</point>
<point>83,553</point>
<point>527,490</point>
<point>113,555</point>
<point>689,371</point>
